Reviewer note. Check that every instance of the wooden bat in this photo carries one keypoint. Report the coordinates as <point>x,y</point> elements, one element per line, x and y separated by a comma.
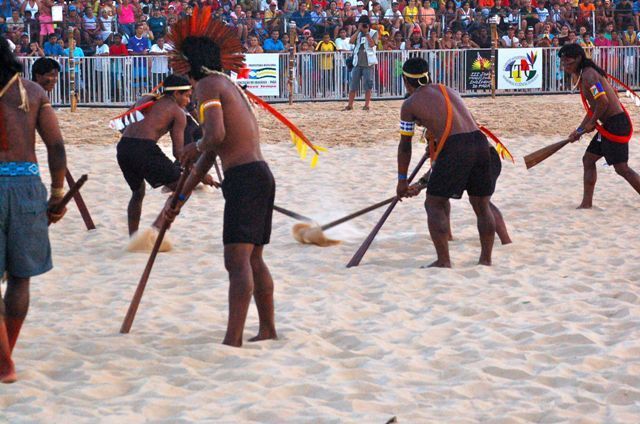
<point>532,159</point>
<point>82,207</point>
<point>355,261</point>
<point>137,297</point>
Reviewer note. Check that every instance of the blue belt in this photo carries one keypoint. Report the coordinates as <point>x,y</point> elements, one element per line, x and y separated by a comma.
<point>19,169</point>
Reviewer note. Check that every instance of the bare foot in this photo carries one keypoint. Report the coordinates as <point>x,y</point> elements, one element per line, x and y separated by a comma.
<point>439,264</point>
<point>585,206</point>
<point>265,335</point>
<point>8,374</point>
<point>508,241</point>
<point>485,262</point>
<point>232,344</point>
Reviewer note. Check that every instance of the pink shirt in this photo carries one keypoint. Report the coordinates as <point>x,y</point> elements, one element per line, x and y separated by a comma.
<point>602,42</point>
<point>126,14</point>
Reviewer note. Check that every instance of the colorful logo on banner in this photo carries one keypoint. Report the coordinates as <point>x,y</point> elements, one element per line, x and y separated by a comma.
<point>478,70</point>
<point>520,68</point>
<point>261,74</point>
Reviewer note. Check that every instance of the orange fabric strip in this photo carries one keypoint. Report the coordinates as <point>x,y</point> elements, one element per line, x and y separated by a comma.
<point>609,136</point>
<point>433,153</point>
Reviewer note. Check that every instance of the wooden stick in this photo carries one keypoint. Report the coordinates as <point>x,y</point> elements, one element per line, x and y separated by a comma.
<point>82,207</point>
<point>532,159</point>
<point>355,261</point>
<point>291,214</point>
<point>137,297</point>
<point>75,188</point>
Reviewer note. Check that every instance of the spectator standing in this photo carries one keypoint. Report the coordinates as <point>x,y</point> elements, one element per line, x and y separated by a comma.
<point>273,44</point>
<point>327,47</point>
<point>160,62</point>
<point>106,25</point>
<point>117,49</point>
<point>364,57</point>
<point>73,22</point>
<point>139,45</point>
<point>45,20</point>
<point>101,70</point>
<point>126,18</point>
<point>15,23</point>
<point>624,13</point>
<point>51,47</point>
<point>410,15</point>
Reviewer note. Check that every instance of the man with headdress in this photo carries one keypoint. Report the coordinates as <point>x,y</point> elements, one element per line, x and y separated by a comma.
<point>203,50</point>
<point>602,105</point>
<point>461,159</point>
<point>139,156</point>
<point>24,212</point>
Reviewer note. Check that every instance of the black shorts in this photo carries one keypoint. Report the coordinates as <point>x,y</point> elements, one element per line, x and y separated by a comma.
<point>463,164</point>
<point>141,159</point>
<point>496,165</point>
<point>249,192</point>
<point>613,152</point>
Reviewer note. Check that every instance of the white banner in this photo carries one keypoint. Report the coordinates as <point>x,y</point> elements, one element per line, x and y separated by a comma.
<point>519,69</point>
<point>262,75</point>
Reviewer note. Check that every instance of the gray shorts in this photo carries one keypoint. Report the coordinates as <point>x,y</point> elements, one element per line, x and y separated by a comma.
<point>358,73</point>
<point>24,233</point>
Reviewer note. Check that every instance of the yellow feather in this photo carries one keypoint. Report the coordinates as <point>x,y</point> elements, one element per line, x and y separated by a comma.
<point>314,161</point>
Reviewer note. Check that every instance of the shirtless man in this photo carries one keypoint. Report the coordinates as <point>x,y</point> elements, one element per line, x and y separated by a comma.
<point>139,155</point>
<point>24,213</point>
<point>461,160</point>
<point>612,137</point>
<point>231,132</point>
<point>45,71</point>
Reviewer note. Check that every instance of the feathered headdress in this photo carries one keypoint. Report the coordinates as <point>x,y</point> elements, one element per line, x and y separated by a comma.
<point>201,24</point>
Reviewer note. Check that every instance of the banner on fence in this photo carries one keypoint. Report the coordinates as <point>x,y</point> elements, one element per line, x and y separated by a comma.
<point>478,70</point>
<point>262,74</point>
<point>519,69</point>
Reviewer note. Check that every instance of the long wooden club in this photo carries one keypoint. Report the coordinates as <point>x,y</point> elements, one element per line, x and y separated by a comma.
<point>532,159</point>
<point>357,257</point>
<point>82,207</point>
<point>73,190</point>
<point>137,297</point>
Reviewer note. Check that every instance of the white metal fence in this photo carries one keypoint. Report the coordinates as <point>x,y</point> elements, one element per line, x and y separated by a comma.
<point>118,81</point>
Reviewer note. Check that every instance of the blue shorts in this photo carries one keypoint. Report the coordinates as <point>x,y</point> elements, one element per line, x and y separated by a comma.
<point>358,73</point>
<point>24,232</point>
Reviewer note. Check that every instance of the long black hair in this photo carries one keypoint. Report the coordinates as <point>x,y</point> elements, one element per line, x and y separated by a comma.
<point>575,51</point>
<point>9,65</point>
<point>201,52</point>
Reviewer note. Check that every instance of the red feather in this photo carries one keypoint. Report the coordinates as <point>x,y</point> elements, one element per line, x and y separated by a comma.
<point>496,140</point>
<point>281,118</point>
<point>200,24</point>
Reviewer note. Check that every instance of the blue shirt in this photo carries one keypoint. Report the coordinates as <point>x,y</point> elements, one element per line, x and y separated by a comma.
<point>138,45</point>
<point>300,20</point>
<point>53,49</point>
<point>270,45</point>
<point>636,7</point>
<point>77,53</point>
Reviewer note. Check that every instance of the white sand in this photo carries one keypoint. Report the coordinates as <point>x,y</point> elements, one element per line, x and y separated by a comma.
<point>548,334</point>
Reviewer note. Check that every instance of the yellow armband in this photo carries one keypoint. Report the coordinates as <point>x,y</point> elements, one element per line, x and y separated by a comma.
<point>208,104</point>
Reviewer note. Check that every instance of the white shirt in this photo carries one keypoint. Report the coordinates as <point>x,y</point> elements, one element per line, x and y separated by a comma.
<point>160,65</point>
<point>12,46</point>
<point>343,44</point>
<point>508,41</point>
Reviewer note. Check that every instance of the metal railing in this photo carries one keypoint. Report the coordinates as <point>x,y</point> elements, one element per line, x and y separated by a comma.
<point>119,81</point>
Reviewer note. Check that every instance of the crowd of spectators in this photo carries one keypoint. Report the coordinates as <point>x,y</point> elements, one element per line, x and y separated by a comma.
<point>122,27</point>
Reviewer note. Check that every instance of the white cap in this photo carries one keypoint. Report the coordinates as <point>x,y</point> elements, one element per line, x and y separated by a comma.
<point>359,3</point>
